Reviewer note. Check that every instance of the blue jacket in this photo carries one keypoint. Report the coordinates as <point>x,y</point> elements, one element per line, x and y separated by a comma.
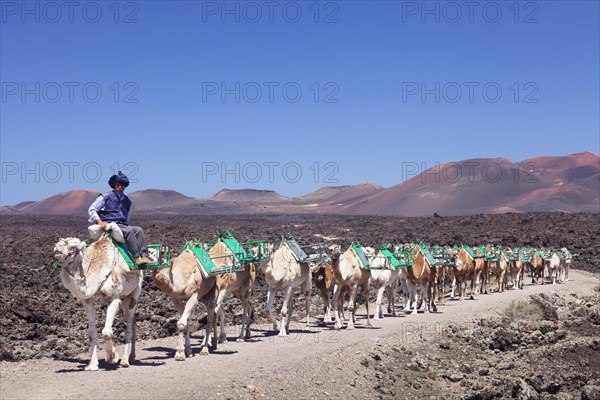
<point>115,210</point>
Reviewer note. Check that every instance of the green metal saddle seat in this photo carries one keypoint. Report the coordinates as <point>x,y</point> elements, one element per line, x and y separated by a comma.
<point>158,253</point>
<point>361,255</point>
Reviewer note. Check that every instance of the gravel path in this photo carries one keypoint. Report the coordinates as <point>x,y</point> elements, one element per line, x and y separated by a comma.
<point>316,364</point>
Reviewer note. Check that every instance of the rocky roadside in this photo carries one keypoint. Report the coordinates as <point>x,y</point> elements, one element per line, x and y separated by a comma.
<point>545,348</point>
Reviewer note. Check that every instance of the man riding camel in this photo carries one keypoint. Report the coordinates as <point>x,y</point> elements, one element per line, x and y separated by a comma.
<point>114,206</point>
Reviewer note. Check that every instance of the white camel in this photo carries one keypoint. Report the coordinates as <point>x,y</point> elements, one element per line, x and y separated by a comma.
<point>566,264</point>
<point>384,278</point>
<point>348,273</point>
<point>239,283</point>
<point>555,266</point>
<point>185,284</point>
<point>283,270</point>
<point>98,274</point>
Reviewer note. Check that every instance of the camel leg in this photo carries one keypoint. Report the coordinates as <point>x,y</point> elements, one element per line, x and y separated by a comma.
<point>378,310</point>
<point>406,290</point>
<point>90,311</point>
<point>326,307</point>
<point>285,311</point>
<point>184,347</point>
<point>366,294</point>
<point>221,315</point>
<point>249,312</point>
<point>306,287</point>
<point>431,302</point>
<point>111,356</point>
<point>452,295</point>
<point>352,308</point>
<point>211,328</point>
<point>269,306</point>
<point>391,291</point>
<point>440,285</point>
<point>128,310</point>
<point>289,313</point>
<point>246,316</point>
<point>337,305</point>
<point>414,297</point>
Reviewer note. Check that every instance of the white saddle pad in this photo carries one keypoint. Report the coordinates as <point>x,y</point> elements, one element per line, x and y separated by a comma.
<point>96,232</point>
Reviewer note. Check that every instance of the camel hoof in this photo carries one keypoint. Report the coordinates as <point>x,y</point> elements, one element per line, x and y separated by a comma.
<point>369,326</point>
<point>112,358</point>
<point>179,356</point>
<point>124,363</point>
<point>282,333</point>
<point>204,351</point>
<point>92,367</point>
<point>350,328</point>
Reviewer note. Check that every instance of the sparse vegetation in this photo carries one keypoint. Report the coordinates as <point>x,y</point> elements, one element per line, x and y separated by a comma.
<point>523,310</point>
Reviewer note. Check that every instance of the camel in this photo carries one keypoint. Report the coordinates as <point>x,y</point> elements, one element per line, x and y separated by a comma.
<point>349,275</point>
<point>564,275</point>
<point>384,278</point>
<point>185,284</point>
<point>463,270</point>
<point>526,258</point>
<point>537,268</point>
<point>402,278</point>
<point>98,274</point>
<point>421,272</point>
<point>239,283</point>
<point>324,281</point>
<point>555,263</point>
<point>514,267</point>
<point>484,267</point>
<point>503,268</point>
<point>283,270</point>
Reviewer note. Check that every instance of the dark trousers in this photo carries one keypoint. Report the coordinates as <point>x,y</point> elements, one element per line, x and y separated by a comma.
<point>134,236</point>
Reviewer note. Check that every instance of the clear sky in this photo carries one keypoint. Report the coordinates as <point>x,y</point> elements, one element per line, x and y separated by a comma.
<point>286,95</point>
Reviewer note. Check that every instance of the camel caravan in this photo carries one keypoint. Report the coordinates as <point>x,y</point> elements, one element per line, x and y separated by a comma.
<point>103,272</point>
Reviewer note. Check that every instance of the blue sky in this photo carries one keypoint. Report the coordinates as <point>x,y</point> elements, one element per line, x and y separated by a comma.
<point>290,96</point>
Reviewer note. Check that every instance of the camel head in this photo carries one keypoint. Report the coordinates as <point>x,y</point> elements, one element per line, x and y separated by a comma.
<point>334,249</point>
<point>459,258</point>
<point>67,249</point>
<point>369,251</point>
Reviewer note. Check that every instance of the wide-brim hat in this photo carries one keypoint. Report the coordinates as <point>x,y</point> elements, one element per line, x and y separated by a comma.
<point>118,178</point>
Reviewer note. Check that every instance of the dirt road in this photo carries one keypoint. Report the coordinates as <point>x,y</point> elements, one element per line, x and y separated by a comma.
<point>316,364</point>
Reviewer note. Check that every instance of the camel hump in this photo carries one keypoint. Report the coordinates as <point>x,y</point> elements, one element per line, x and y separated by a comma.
<point>296,249</point>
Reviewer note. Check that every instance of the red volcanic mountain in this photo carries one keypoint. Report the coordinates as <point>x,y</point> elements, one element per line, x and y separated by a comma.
<point>153,199</point>
<point>247,195</point>
<point>570,183</point>
<point>574,166</point>
<point>485,185</point>
<point>73,202</point>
